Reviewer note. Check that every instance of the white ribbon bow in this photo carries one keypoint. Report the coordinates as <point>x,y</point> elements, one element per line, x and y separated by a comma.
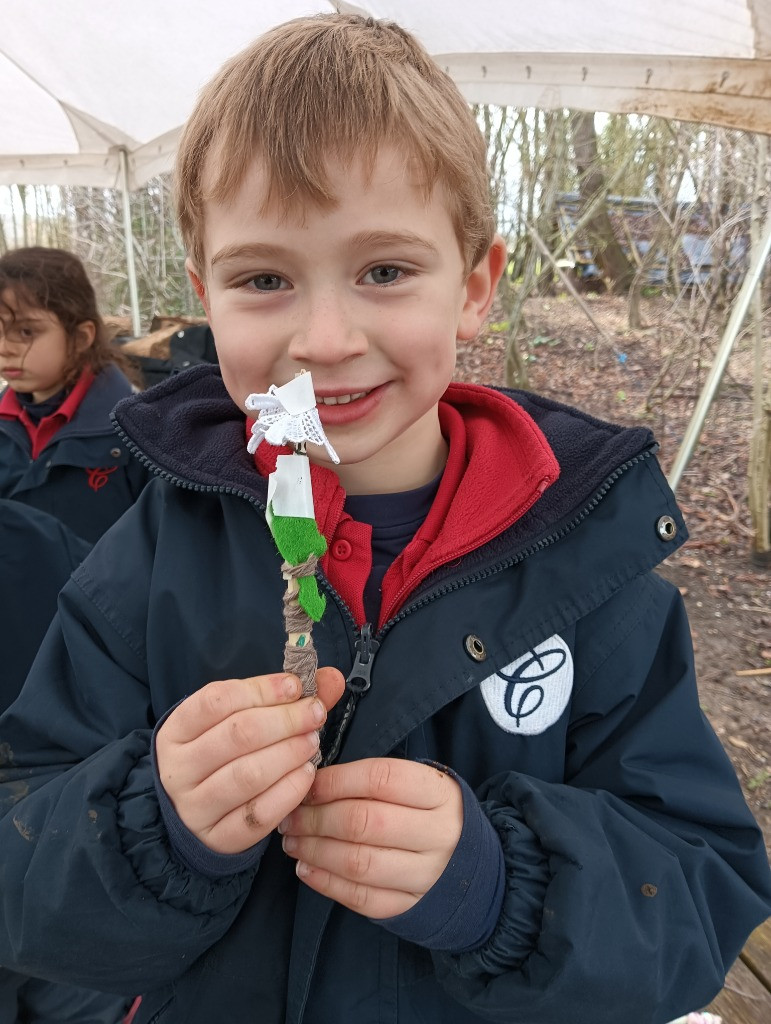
<point>287,415</point>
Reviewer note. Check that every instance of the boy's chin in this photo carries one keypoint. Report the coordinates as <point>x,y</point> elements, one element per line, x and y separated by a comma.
<point>319,456</point>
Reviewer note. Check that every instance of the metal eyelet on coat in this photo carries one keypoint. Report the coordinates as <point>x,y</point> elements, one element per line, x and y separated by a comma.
<point>115,452</point>
<point>475,648</point>
<point>666,528</point>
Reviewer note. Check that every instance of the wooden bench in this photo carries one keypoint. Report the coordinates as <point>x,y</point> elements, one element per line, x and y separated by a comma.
<point>746,997</point>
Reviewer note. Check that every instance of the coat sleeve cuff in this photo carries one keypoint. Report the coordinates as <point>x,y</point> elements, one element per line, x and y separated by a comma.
<point>527,876</point>
<point>460,911</point>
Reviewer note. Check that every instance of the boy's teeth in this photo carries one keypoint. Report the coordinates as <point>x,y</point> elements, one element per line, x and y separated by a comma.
<point>342,399</point>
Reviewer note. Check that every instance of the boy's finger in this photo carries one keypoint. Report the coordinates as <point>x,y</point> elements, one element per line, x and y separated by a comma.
<point>383,868</point>
<point>370,823</point>
<point>219,700</point>
<point>363,899</point>
<point>392,780</point>
<point>242,734</point>
<point>330,686</point>
<point>252,821</point>
<point>244,779</point>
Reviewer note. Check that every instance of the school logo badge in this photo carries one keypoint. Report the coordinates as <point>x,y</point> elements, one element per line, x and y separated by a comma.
<point>530,694</point>
<point>98,476</point>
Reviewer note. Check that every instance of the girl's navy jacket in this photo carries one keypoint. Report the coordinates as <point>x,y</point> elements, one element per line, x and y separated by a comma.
<point>550,667</point>
<point>84,476</point>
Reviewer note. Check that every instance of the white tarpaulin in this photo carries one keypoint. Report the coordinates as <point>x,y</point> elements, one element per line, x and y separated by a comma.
<point>81,82</point>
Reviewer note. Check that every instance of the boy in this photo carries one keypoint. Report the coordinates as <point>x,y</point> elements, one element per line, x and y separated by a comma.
<point>523,815</point>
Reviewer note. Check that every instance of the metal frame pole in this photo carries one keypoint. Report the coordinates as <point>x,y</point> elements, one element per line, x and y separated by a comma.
<point>129,236</point>
<point>738,313</point>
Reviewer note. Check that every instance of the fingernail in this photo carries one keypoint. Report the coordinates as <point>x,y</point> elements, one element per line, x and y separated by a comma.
<point>289,843</point>
<point>303,870</point>
<point>318,711</point>
<point>283,825</point>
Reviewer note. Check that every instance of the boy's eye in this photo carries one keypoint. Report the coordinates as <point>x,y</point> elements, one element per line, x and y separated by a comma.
<point>267,282</point>
<point>384,274</point>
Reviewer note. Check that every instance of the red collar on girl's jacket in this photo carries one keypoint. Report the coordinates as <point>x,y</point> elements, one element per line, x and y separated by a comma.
<point>498,466</point>
<point>41,433</point>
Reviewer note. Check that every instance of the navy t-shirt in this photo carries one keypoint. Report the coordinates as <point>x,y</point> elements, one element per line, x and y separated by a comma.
<point>395,519</point>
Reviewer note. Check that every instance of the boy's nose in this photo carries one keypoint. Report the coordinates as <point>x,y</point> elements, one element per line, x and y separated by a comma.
<point>327,334</point>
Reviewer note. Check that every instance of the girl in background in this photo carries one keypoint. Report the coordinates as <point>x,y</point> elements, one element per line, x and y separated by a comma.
<point>64,480</point>
<point>58,450</point>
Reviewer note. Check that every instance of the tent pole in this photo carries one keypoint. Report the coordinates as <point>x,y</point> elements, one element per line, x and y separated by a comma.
<point>130,265</point>
<point>735,321</point>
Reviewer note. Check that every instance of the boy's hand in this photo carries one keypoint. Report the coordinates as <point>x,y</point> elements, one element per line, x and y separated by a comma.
<point>234,756</point>
<point>375,835</point>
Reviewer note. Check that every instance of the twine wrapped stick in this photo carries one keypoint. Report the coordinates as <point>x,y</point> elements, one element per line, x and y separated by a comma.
<point>287,415</point>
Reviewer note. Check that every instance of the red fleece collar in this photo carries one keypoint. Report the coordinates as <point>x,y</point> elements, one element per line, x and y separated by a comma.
<point>41,433</point>
<point>499,464</point>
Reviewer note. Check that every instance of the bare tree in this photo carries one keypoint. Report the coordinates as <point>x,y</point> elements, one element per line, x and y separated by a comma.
<point>617,271</point>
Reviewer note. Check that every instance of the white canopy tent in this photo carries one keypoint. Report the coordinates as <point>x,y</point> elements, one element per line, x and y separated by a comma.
<point>82,83</point>
<point>96,93</point>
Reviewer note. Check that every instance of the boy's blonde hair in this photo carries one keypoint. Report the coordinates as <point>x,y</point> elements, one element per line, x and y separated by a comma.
<point>339,86</point>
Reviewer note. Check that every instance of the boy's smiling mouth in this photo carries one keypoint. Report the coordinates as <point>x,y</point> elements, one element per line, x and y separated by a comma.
<point>341,399</point>
<point>348,406</point>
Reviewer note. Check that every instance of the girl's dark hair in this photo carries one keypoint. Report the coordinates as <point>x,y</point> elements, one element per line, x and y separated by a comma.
<point>56,280</point>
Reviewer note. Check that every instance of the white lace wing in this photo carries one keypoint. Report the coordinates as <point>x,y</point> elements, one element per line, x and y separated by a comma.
<point>288,415</point>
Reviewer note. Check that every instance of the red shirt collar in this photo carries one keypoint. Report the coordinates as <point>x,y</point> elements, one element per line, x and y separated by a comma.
<point>41,433</point>
<point>499,464</point>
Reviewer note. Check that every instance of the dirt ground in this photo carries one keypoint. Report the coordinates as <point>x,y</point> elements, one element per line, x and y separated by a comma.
<point>728,597</point>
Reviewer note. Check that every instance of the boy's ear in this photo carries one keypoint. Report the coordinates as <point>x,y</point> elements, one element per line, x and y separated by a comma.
<point>84,335</point>
<point>197,282</point>
<point>480,289</point>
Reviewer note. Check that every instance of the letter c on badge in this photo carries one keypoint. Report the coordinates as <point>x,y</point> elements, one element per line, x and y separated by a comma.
<point>530,694</point>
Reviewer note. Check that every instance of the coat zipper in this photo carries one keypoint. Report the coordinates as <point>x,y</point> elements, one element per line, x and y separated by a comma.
<point>360,677</point>
<point>358,682</point>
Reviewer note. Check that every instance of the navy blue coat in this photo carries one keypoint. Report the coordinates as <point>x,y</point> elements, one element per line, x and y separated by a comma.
<point>37,555</point>
<point>635,871</point>
<point>83,476</point>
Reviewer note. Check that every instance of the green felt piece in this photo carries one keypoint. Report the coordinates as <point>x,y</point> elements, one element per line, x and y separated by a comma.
<point>297,539</point>
<point>310,600</point>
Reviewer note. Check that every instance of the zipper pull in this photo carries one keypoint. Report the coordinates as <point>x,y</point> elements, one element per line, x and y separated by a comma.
<point>359,678</point>
<point>358,682</point>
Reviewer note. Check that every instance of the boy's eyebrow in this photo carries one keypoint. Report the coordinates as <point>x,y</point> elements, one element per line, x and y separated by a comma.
<point>254,250</point>
<point>367,239</point>
<point>362,240</point>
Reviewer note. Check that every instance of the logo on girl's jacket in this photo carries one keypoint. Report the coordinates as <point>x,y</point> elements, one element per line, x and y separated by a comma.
<point>98,476</point>
<point>530,694</point>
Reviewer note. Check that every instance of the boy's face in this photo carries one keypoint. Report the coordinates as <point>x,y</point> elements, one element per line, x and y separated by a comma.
<point>370,296</point>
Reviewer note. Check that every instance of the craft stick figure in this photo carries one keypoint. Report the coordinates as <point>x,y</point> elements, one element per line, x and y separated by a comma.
<point>288,415</point>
